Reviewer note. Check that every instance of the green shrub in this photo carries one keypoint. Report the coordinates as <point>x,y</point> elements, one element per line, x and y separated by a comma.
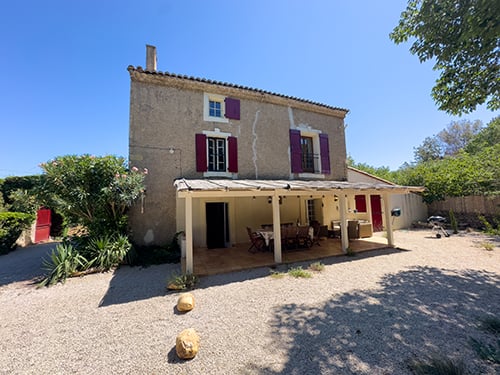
<point>317,266</point>
<point>438,365</point>
<point>490,324</point>
<point>95,192</point>
<point>64,262</point>
<point>170,253</point>
<point>276,274</point>
<point>487,352</point>
<point>488,227</point>
<point>106,251</point>
<point>299,272</point>
<point>11,226</point>
<point>453,222</point>
<point>182,282</point>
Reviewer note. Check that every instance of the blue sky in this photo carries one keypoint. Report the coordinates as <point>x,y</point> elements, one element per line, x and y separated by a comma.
<point>64,85</point>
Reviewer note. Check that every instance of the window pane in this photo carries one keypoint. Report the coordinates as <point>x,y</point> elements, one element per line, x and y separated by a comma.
<point>214,108</point>
<point>217,154</point>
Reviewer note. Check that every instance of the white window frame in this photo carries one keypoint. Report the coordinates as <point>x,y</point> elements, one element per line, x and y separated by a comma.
<point>314,134</point>
<point>207,98</point>
<point>219,134</point>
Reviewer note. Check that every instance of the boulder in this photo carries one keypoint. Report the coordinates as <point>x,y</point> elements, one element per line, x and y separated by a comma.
<point>187,344</point>
<point>185,302</point>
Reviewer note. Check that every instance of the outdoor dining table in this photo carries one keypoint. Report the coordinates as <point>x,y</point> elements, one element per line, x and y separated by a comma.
<point>267,235</point>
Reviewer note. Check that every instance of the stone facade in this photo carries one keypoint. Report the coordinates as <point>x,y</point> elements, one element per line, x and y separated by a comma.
<point>167,111</point>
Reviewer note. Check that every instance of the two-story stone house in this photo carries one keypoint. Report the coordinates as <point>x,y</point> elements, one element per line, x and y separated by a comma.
<point>223,157</point>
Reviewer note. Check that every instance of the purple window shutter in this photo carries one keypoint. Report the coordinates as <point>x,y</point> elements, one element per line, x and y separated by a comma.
<point>325,153</point>
<point>201,153</point>
<point>232,108</point>
<point>232,145</point>
<point>295,151</point>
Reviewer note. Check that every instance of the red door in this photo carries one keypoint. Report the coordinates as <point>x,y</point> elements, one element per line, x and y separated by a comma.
<point>42,230</point>
<point>376,204</point>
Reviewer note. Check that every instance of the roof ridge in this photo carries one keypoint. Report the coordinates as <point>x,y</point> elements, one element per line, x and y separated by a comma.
<point>139,69</point>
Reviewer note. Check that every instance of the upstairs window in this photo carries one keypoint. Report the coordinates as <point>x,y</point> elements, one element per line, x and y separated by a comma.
<point>215,108</point>
<point>309,152</point>
<point>220,108</point>
<point>216,154</point>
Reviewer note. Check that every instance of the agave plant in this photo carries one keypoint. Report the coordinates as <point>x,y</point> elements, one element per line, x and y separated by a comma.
<point>64,262</point>
<point>108,251</point>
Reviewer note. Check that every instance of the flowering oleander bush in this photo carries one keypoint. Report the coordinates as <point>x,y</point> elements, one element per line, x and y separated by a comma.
<point>93,191</point>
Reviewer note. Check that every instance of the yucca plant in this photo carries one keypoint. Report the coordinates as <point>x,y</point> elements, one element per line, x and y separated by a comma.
<point>107,251</point>
<point>64,262</point>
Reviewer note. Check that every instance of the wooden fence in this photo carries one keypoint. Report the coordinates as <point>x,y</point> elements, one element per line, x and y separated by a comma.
<point>467,209</point>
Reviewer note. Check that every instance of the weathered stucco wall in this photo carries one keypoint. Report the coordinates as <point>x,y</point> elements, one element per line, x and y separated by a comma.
<point>165,115</point>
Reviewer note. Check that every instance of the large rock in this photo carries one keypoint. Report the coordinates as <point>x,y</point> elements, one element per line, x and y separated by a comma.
<point>185,302</point>
<point>187,344</point>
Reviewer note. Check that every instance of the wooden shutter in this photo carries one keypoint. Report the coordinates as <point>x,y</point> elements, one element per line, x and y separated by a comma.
<point>295,151</point>
<point>232,145</point>
<point>201,153</point>
<point>360,203</point>
<point>232,108</point>
<point>324,151</point>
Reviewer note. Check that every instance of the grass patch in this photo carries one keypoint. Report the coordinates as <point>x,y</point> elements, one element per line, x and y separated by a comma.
<point>490,324</point>
<point>438,365</point>
<point>277,274</point>
<point>317,266</point>
<point>299,272</point>
<point>487,246</point>
<point>488,352</point>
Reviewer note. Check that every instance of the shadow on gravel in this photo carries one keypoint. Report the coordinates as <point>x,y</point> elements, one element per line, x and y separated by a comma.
<point>415,313</point>
<point>138,283</point>
<point>24,264</point>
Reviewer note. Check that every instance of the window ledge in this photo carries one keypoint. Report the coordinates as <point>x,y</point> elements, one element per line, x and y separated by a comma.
<point>220,174</point>
<point>318,176</point>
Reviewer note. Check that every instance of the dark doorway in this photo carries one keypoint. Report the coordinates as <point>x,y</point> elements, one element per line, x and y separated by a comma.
<point>217,225</point>
<point>376,204</point>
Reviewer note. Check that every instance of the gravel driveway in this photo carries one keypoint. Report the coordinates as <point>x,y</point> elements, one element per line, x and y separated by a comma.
<point>368,314</point>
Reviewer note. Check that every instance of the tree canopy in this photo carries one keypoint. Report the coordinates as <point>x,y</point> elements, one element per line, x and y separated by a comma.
<point>449,141</point>
<point>463,38</point>
<point>472,169</point>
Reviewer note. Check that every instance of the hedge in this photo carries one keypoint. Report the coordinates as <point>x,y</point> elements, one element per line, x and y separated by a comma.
<point>11,226</point>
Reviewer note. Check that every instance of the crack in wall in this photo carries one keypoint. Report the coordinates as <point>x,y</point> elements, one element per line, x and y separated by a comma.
<point>254,143</point>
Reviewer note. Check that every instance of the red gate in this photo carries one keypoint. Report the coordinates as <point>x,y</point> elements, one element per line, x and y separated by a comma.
<point>43,221</point>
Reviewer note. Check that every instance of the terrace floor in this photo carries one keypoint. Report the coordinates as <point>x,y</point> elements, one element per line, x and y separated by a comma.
<point>237,258</point>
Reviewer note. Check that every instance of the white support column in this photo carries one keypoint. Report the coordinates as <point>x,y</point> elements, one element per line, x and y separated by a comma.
<point>189,234</point>
<point>388,219</point>
<point>344,234</point>
<point>277,229</point>
<point>368,199</point>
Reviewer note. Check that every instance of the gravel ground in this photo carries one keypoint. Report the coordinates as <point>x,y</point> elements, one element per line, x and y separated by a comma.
<point>368,314</point>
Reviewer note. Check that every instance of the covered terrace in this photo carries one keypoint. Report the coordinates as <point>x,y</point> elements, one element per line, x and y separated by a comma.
<point>192,192</point>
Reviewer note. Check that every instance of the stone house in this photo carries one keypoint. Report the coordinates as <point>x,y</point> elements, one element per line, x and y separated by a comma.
<point>223,157</point>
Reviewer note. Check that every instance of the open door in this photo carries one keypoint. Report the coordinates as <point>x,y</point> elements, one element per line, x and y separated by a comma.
<point>217,224</point>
